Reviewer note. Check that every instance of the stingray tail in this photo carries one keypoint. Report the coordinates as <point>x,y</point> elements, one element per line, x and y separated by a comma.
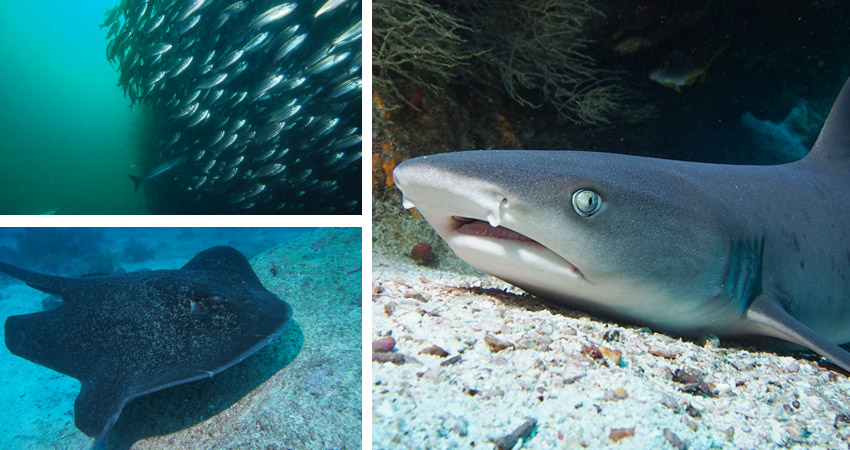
<point>45,283</point>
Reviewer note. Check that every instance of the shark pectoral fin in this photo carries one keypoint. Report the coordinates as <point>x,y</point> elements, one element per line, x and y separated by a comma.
<point>773,320</point>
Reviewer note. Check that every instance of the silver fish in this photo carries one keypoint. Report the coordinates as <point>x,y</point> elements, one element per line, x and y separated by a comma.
<point>239,97</point>
<point>272,14</point>
<point>231,58</point>
<point>199,181</point>
<point>266,86</point>
<point>156,78</point>
<point>346,86</point>
<point>255,189</point>
<point>227,142</point>
<point>155,24</point>
<point>230,174</point>
<point>235,162</point>
<point>256,41</point>
<point>289,46</point>
<point>186,111</point>
<point>284,113</point>
<point>328,62</point>
<point>199,117</point>
<point>302,175</point>
<point>190,24</point>
<point>326,125</point>
<point>270,132</point>
<point>173,140</point>
<point>212,98</point>
<point>158,50</point>
<point>180,67</point>
<point>212,82</point>
<point>193,6</point>
<point>350,35</point>
<point>235,7</point>
<point>158,170</point>
<point>209,165</point>
<point>216,138</point>
<point>194,96</point>
<point>269,170</point>
<point>330,5</point>
<point>237,125</point>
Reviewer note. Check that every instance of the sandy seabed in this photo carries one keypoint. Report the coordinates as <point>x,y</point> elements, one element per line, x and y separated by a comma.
<point>477,363</point>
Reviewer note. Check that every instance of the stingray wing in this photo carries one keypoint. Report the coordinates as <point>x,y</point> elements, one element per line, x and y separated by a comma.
<point>227,260</point>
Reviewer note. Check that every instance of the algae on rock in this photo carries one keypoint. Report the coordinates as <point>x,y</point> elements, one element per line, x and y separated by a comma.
<point>417,42</point>
<point>540,50</point>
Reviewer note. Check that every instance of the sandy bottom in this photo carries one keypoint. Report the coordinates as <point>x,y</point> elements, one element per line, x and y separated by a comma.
<point>476,361</point>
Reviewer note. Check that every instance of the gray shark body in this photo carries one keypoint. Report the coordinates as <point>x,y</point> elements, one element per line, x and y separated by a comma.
<point>680,246</point>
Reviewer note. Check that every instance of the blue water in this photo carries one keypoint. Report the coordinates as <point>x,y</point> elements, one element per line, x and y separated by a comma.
<point>66,132</point>
<point>80,251</point>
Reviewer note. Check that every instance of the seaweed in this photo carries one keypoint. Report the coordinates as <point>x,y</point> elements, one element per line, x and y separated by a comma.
<point>415,42</point>
<point>540,50</point>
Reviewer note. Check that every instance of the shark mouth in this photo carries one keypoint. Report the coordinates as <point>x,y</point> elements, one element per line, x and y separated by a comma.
<point>480,228</point>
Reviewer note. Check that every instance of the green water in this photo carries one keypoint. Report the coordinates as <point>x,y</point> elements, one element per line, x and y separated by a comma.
<point>67,136</point>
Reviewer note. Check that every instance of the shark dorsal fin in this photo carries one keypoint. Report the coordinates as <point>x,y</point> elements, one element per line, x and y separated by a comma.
<point>833,144</point>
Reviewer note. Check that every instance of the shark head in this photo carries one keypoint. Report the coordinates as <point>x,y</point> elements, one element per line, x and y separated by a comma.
<point>681,246</point>
<point>624,243</point>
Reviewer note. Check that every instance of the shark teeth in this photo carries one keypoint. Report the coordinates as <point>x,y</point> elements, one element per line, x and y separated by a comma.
<point>495,217</point>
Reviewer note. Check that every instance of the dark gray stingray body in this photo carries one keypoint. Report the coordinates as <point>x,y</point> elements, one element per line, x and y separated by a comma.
<point>682,246</point>
<point>128,335</point>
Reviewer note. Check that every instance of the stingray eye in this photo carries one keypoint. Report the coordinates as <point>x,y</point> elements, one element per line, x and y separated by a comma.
<point>586,202</point>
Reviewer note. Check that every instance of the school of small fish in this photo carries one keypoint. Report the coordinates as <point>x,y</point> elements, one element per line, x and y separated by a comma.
<point>257,103</point>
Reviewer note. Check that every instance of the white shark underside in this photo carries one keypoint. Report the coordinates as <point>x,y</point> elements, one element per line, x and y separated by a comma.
<point>681,246</point>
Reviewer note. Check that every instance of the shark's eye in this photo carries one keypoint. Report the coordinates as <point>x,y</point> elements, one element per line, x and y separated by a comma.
<point>586,202</point>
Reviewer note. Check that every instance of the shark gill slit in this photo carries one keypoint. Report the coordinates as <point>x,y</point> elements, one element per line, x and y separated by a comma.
<point>743,272</point>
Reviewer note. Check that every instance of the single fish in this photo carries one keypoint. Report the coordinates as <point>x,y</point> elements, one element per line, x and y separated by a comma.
<point>193,6</point>
<point>676,76</point>
<point>266,86</point>
<point>270,170</point>
<point>256,41</point>
<point>185,28</point>
<point>290,46</point>
<point>231,58</point>
<point>278,12</point>
<point>184,63</point>
<point>158,50</point>
<point>199,117</point>
<point>329,6</point>
<point>158,170</point>
<point>212,82</point>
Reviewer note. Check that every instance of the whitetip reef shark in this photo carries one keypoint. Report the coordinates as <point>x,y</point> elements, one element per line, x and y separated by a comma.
<point>684,247</point>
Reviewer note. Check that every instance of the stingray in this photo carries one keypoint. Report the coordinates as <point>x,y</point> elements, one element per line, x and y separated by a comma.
<point>128,335</point>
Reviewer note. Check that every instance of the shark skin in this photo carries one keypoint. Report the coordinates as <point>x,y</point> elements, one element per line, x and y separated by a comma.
<point>683,247</point>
